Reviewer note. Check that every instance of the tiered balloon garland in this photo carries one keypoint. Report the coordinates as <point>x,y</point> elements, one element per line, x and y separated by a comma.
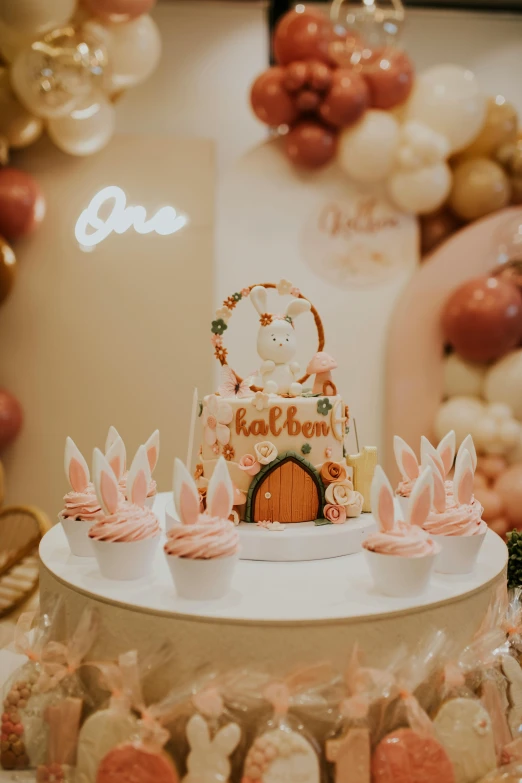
<point>482,326</point>
<point>63,64</point>
<point>442,149</point>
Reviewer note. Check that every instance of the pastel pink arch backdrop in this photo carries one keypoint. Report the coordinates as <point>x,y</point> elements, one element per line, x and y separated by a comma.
<point>414,354</point>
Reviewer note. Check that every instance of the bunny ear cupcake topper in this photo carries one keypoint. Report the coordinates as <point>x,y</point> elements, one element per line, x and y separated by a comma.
<point>421,499</point>
<point>76,468</point>
<point>220,493</point>
<point>463,479</point>
<point>186,496</point>
<point>116,457</point>
<point>139,478</point>
<point>428,449</point>
<point>152,447</point>
<point>446,450</point>
<point>406,459</point>
<point>439,490</point>
<point>382,500</point>
<point>105,483</point>
<point>468,445</point>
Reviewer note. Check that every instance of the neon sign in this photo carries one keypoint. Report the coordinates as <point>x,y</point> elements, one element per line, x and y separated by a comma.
<point>91,229</point>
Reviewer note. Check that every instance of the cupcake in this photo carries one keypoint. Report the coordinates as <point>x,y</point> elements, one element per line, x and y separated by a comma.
<point>455,521</point>
<point>202,550</point>
<point>81,506</point>
<point>401,555</point>
<point>116,456</point>
<point>408,464</point>
<point>126,538</point>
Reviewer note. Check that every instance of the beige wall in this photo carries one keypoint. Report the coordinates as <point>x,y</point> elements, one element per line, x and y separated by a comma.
<point>119,335</point>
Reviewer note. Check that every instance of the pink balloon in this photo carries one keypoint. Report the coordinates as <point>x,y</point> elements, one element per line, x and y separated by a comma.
<point>119,10</point>
<point>509,487</point>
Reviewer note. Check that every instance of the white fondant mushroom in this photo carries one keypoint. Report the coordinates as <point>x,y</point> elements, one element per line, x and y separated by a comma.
<point>322,365</point>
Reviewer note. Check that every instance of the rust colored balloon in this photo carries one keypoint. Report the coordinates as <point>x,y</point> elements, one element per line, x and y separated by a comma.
<point>435,228</point>
<point>346,100</point>
<point>482,319</point>
<point>307,101</point>
<point>7,269</point>
<point>22,205</point>
<point>296,76</point>
<point>270,101</point>
<point>389,74</point>
<point>11,418</point>
<point>310,144</point>
<point>304,35</point>
<point>319,76</point>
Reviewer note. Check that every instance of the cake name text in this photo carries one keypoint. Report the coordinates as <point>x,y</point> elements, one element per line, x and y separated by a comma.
<point>276,424</point>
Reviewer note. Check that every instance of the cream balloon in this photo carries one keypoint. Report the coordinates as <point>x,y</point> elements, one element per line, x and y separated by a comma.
<point>134,49</point>
<point>447,98</point>
<point>87,129</point>
<point>366,151</point>
<point>503,382</point>
<point>17,125</point>
<point>25,17</point>
<point>420,191</point>
<point>459,414</point>
<point>463,378</point>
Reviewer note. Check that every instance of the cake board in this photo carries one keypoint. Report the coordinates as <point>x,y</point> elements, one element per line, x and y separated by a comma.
<point>297,542</point>
<point>276,616</point>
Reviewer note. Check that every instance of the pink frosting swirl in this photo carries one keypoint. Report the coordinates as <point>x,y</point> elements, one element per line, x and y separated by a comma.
<point>403,541</point>
<point>82,506</point>
<point>457,520</point>
<point>128,523</point>
<point>404,487</point>
<point>153,487</point>
<point>208,538</point>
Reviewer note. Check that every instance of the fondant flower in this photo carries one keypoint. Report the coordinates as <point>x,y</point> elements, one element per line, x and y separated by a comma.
<point>216,416</point>
<point>328,452</point>
<point>219,326</point>
<point>266,452</point>
<point>221,353</point>
<point>228,452</point>
<point>332,471</point>
<point>237,296</point>
<point>249,464</point>
<point>354,507</point>
<point>260,400</point>
<point>339,492</point>
<point>230,302</point>
<point>245,291</point>
<point>323,406</point>
<point>225,313</point>
<point>267,525</point>
<point>265,319</point>
<point>216,340</point>
<point>284,287</point>
<point>50,773</point>
<point>198,471</point>
<point>295,291</point>
<point>335,513</point>
<point>215,448</point>
<point>306,448</point>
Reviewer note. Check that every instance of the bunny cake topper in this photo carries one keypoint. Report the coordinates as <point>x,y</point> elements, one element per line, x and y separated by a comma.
<point>76,468</point>
<point>276,341</point>
<point>220,493</point>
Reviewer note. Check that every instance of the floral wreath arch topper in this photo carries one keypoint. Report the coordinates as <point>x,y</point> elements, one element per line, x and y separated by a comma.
<point>224,313</point>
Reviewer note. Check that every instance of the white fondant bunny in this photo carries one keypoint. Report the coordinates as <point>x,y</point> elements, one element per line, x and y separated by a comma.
<point>208,760</point>
<point>277,344</point>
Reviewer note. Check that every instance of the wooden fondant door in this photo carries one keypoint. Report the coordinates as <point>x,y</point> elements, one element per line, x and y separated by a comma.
<point>287,494</point>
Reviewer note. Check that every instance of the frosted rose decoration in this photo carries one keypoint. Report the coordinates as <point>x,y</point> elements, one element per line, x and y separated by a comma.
<point>266,452</point>
<point>354,507</point>
<point>340,493</point>
<point>249,464</point>
<point>334,513</point>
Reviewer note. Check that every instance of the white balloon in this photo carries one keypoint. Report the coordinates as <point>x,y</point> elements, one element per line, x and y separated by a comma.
<point>87,129</point>
<point>504,382</point>
<point>25,17</point>
<point>462,378</point>
<point>366,151</point>
<point>459,414</point>
<point>421,146</point>
<point>447,98</point>
<point>420,191</point>
<point>134,49</point>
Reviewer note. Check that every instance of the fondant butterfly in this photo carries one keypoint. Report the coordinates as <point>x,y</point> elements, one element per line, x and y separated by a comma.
<point>232,387</point>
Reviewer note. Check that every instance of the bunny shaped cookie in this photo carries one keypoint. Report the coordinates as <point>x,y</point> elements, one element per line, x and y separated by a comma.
<point>208,760</point>
<point>277,344</point>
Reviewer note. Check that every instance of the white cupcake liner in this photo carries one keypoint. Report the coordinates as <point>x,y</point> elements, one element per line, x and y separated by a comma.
<point>403,504</point>
<point>400,577</point>
<point>149,502</point>
<point>125,560</point>
<point>77,534</point>
<point>202,580</point>
<point>458,554</point>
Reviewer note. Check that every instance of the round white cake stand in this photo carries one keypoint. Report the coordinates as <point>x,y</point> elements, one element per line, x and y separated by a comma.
<point>276,615</point>
<point>302,541</point>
